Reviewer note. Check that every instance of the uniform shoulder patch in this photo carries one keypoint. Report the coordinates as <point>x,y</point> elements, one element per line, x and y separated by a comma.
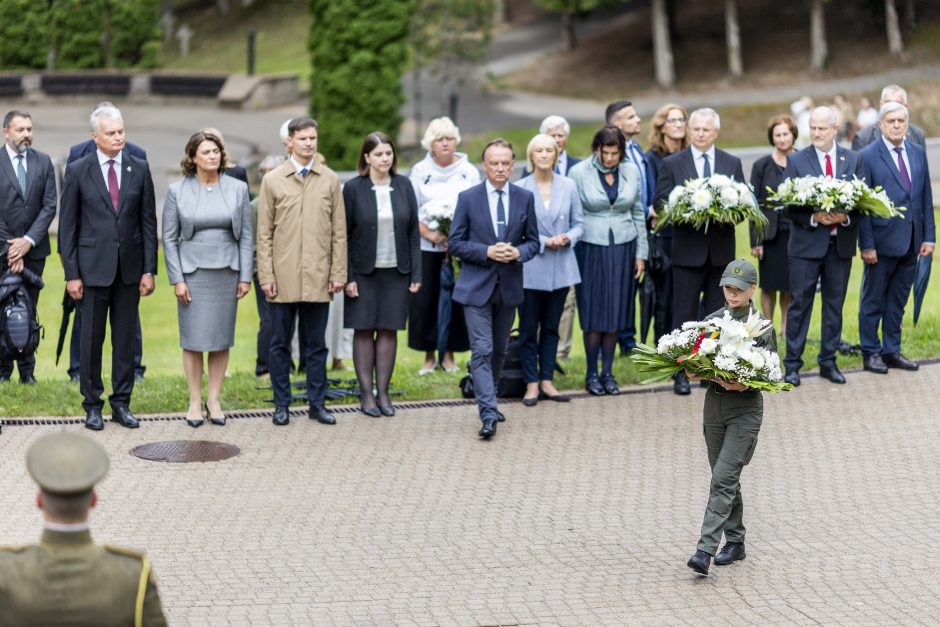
<point>118,550</point>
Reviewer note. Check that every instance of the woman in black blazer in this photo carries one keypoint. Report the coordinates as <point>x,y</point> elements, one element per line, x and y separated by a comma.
<point>384,258</point>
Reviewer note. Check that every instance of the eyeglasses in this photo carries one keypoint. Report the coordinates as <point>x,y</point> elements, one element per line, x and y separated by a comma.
<point>675,121</point>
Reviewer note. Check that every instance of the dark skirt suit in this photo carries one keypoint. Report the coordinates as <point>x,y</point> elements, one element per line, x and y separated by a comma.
<point>774,267</point>
<point>383,292</point>
<point>547,277</point>
<point>614,238</point>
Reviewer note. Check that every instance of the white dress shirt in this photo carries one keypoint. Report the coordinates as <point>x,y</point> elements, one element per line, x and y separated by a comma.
<point>300,166</point>
<point>493,197</point>
<point>821,156</point>
<point>700,163</point>
<point>14,161</point>
<point>103,162</point>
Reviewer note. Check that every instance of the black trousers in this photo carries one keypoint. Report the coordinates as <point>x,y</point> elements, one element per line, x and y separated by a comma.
<point>539,316</point>
<point>117,303</point>
<point>75,345</point>
<point>692,285</point>
<point>263,346</point>
<point>313,317</point>
<point>27,365</point>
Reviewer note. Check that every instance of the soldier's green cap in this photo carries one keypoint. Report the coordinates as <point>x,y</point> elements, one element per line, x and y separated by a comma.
<point>740,273</point>
<point>66,463</point>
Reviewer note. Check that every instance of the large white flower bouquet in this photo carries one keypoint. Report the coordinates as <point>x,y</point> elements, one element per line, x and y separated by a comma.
<point>828,194</point>
<point>718,198</point>
<point>438,214</point>
<point>719,348</point>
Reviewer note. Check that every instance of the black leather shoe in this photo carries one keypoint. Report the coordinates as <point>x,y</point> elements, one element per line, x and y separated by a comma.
<point>680,384</point>
<point>93,420</point>
<point>500,417</point>
<point>874,363</point>
<point>792,377</point>
<point>593,385</point>
<point>556,398</point>
<point>321,415</point>
<point>387,410</point>
<point>138,376</point>
<point>198,422</point>
<point>281,416</point>
<point>700,562</point>
<point>488,429</point>
<point>124,417</point>
<point>530,402</point>
<point>372,412</point>
<point>28,380</point>
<point>897,360</point>
<point>731,552</point>
<point>832,373</point>
<point>610,386</point>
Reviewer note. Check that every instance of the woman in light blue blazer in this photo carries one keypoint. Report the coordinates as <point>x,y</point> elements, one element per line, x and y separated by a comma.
<point>547,277</point>
<point>612,251</point>
<point>208,241</point>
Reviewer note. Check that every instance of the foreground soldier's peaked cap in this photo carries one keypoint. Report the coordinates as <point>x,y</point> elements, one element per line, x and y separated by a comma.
<point>66,463</point>
<point>740,273</point>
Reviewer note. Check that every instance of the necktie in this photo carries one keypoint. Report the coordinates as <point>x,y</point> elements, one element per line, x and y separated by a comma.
<point>500,216</point>
<point>902,168</point>
<point>303,173</point>
<point>706,169</point>
<point>21,174</point>
<point>832,229</point>
<point>113,185</point>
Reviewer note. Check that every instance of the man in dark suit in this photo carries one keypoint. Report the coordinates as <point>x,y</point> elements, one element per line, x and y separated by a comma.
<point>821,247</point>
<point>108,239</point>
<point>27,208</point>
<point>494,232</point>
<point>698,258</point>
<point>914,135</point>
<point>76,152</point>
<point>890,247</point>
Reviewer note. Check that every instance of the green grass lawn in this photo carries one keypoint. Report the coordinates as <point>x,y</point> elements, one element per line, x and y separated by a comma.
<point>164,389</point>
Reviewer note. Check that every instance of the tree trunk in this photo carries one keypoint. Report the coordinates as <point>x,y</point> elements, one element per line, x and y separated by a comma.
<point>893,29</point>
<point>819,49</point>
<point>662,47</point>
<point>733,39</point>
<point>568,40</point>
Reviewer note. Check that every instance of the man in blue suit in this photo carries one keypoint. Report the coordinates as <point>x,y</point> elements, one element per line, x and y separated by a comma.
<point>890,247</point>
<point>494,232</point>
<point>821,246</point>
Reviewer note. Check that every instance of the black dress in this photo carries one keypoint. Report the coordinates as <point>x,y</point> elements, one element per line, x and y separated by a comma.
<point>774,267</point>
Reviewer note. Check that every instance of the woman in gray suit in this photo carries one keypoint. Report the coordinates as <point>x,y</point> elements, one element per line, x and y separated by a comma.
<point>547,277</point>
<point>208,241</point>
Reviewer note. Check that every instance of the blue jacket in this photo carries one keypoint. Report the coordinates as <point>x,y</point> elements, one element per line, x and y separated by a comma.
<point>471,233</point>
<point>892,237</point>
<point>554,269</point>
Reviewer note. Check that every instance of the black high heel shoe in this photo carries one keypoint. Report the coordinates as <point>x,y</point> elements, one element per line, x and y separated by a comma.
<point>215,421</point>
<point>372,412</point>
<point>196,423</point>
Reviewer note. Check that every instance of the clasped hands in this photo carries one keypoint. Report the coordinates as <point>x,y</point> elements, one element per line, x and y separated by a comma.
<point>557,241</point>
<point>502,252</point>
<point>825,218</point>
<point>19,246</point>
<point>728,385</point>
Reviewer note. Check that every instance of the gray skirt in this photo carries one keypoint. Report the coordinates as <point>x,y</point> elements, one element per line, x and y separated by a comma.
<point>207,323</point>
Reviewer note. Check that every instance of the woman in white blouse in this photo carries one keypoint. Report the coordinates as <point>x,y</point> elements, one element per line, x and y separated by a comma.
<point>384,259</point>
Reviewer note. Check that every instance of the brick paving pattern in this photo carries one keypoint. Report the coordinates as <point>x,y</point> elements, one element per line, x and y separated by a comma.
<point>573,514</point>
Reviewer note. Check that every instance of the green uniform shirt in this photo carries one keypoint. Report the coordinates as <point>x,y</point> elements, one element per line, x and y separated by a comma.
<point>68,580</point>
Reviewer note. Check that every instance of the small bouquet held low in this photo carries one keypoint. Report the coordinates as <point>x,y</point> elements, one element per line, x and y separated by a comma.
<point>718,198</point>
<point>718,348</point>
<point>438,215</point>
<point>834,195</point>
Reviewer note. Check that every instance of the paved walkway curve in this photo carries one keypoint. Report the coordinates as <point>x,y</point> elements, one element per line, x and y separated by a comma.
<point>573,514</point>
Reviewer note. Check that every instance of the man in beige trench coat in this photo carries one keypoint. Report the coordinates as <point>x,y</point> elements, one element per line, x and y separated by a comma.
<point>301,262</point>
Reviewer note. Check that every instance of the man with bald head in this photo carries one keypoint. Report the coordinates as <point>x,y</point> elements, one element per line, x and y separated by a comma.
<point>914,133</point>
<point>821,247</point>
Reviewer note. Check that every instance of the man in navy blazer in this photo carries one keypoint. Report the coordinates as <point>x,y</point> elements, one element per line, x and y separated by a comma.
<point>890,247</point>
<point>821,247</point>
<point>27,207</point>
<point>494,231</point>
<point>108,240</point>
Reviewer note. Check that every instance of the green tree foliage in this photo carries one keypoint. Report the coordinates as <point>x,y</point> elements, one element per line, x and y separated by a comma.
<point>23,33</point>
<point>451,33</point>
<point>75,33</point>
<point>358,51</point>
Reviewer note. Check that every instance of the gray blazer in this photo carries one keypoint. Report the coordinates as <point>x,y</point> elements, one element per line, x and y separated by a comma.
<point>224,250</point>
<point>554,269</point>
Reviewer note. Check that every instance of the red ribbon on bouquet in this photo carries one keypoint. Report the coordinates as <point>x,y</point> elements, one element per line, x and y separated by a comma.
<point>698,343</point>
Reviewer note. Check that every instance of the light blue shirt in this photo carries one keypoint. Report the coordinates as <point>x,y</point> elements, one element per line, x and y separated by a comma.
<point>492,198</point>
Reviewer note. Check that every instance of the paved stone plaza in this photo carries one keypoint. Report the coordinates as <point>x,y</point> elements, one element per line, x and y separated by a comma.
<point>576,514</point>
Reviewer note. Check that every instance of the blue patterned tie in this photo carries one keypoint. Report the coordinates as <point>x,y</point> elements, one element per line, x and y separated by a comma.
<point>303,173</point>
<point>21,174</point>
<point>706,169</point>
<point>500,216</point>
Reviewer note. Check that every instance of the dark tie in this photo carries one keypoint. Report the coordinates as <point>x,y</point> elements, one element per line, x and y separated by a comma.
<point>113,185</point>
<point>829,167</point>
<point>500,216</point>
<point>21,174</point>
<point>902,168</point>
<point>303,173</point>
<point>706,169</point>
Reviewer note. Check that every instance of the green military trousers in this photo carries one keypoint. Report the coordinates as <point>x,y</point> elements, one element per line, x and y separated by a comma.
<point>731,424</point>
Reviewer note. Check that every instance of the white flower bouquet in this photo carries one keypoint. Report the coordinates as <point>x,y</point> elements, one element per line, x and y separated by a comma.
<point>438,214</point>
<point>719,198</point>
<point>834,195</point>
<point>718,348</point>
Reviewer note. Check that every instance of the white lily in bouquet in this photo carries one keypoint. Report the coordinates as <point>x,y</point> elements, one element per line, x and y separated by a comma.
<point>438,214</point>
<point>834,195</point>
<point>716,349</point>
<point>716,199</point>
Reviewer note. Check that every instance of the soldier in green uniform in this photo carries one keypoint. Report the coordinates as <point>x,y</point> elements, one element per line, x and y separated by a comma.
<point>67,579</point>
<point>732,417</point>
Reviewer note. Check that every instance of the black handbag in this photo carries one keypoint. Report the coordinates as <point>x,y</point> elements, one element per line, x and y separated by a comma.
<point>511,382</point>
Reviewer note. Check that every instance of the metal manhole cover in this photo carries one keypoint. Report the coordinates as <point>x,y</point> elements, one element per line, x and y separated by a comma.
<point>185,451</point>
